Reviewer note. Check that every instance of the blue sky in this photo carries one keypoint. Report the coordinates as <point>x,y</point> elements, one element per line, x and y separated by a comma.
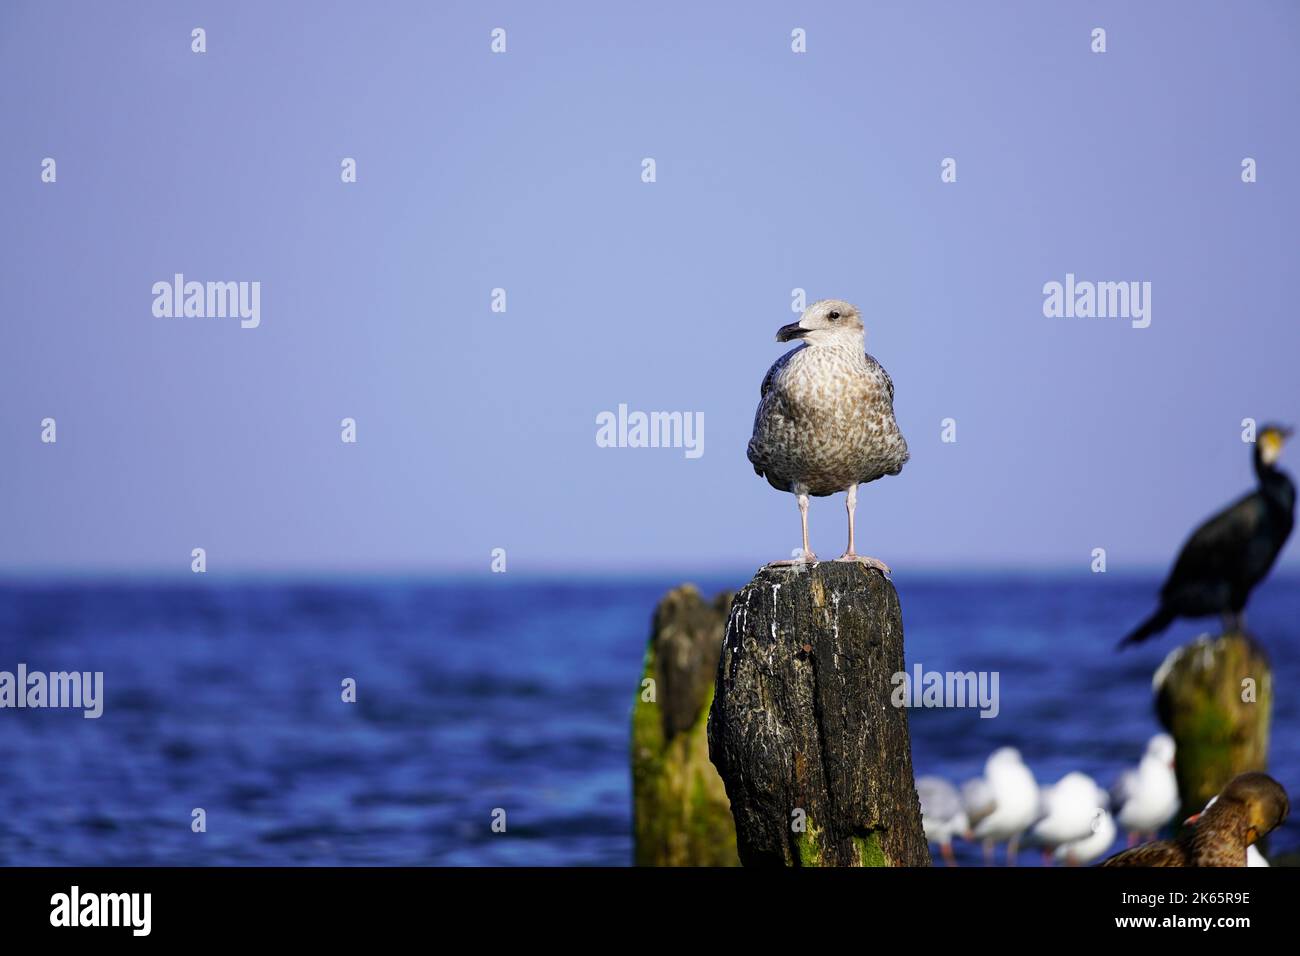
<point>522,171</point>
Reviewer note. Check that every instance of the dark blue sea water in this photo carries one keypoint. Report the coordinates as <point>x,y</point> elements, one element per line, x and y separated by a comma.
<point>497,692</point>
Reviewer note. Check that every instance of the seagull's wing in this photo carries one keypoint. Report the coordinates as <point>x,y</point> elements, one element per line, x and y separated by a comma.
<point>770,378</point>
<point>770,402</point>
<point>889,382</point>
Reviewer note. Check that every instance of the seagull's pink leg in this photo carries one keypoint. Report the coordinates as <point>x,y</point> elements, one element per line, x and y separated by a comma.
<point>851,503</point>
<point>807,557</point>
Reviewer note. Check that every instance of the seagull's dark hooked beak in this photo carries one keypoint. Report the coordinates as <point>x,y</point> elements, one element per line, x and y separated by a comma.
<point>788,332</point>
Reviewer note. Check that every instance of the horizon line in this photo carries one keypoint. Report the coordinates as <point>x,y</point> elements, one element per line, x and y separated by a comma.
<point>286,573</point>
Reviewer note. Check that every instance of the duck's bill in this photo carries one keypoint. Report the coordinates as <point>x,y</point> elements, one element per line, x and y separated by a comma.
<point>790,332</point>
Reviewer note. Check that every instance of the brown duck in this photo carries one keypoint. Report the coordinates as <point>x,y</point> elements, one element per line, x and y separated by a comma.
<point>1249,807</point>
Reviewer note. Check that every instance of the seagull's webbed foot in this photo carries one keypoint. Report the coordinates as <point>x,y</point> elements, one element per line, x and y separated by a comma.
<point>876,563</point>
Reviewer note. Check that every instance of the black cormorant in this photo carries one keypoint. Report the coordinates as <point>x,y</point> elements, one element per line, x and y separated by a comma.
<point>1227,556</point>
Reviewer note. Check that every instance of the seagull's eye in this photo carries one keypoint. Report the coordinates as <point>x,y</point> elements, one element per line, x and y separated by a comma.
<point>834,315</point>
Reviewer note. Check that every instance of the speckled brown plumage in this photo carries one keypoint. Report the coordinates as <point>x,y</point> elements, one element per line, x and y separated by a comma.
<point>825,416</point>
<point>1250,806</point>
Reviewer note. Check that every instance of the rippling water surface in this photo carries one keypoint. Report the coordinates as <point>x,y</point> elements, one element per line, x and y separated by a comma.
<point>474,695</point>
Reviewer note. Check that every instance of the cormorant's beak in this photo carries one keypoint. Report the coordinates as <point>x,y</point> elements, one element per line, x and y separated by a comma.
<point>792,331</point>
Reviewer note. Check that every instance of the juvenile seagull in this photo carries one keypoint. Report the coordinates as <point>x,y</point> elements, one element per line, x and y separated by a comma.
<point>825,419</point>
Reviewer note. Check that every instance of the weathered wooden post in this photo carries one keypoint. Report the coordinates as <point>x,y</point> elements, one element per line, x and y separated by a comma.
<point>679,806</point>
<point>816,759</point>
<point>1215,697</point>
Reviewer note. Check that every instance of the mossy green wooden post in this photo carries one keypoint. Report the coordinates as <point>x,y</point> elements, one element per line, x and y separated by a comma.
<point>680,812</point>
<point>1215,697</point>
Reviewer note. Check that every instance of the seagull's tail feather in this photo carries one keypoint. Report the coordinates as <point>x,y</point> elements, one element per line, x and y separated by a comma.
<point>1153,625</point>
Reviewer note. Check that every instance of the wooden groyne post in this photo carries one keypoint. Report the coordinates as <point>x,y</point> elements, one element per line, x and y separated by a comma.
<point>1215,697</point>
<point>816,759</point>
<point>680,813</point>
